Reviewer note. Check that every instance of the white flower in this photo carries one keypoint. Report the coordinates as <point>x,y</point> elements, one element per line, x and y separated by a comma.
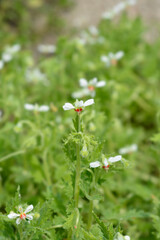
<point>95,164</point>
<point>1,64</point>
<point>131,2</point>
<point>121,237</point>
<point>35,75</point>
<point>22,215</point>
<point>128,149</point>
<point>111,160</point>
<point>93,30</point>
<point>36,107</point>
<point>88,87</point>
<point>9,52</point>
<point>112,58</point>
<point>119,8</point>
<point>46,48</point>
<point>78,106</point>
<point>108,15</point>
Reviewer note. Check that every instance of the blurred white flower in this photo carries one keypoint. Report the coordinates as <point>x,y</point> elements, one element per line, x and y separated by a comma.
<point>111,160</point>
<point>88,87</point>
<point>108,15</point>
<point>9,52</point>
<point>119,8</point>
<point>121,237</point>
<point>112,58</point>
<point>78,106</point>
<point>36,107</point>
<point>93,30</point>
<point>22,215</point>
<point>131,2</point>
<point>35,75</point>
<point>46,49</point>
<point>128,149</point>
<point>1,64</point>
<point>95,164</point>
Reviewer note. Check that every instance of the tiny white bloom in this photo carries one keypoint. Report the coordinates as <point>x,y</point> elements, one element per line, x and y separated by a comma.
<point>108,15</point>
<point>78,106</point>
<point>112,58</point>
<point>126,237</point>
<point>9,52</point>
<point>81,93</point>
<point>131,2</point>
<point>119,8</point>
<point>115,159</point>
<point>128,149</point>
<point>93,30</point>
<point>22,215</point>
<point>36,107</point>
<point>46,48</point>
<point>95,164</point>
<point>35,75</point>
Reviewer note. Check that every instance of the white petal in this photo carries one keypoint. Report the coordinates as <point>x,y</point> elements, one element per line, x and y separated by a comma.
<point>20,209</point>
<point>43,108</point>
<point>104,59</point>
<point>18,221</point>
<point>95,164</point>
<point>29,217</point>
<point>126,237</point>
<point>93,82</point>
<point>6,57</point>
<point>119,55</point>
<point>29,107</point>
<point>79,104</point>
<point>101,84</point>
<point>13,215</point>
<point>115,159</point>
<point>106,163</point>
<point>83,82</point>
<point>29,208</point>
<point>79,94</point>
<point>68,106</point>
<point>89,102</point>
<point>1,64</point>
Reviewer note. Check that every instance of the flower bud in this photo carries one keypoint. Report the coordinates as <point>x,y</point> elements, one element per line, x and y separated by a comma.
<point>84,151</point>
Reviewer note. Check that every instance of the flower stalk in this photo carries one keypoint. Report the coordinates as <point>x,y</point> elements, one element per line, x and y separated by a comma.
<point>78,167</point>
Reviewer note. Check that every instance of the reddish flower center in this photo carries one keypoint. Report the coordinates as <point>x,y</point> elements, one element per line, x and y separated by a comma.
<point>105,167</point>
<point>78,110</point>
<point>22,216</point>
<point>114,62</point>
<point>91,88</point>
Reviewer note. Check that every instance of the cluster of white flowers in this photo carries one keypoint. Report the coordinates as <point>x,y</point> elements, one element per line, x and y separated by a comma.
<point>78,105</point>
<point>22,215</point>
<point>36,107</point>
<point>121,237</point>
<point>46,49</point>
<point>106,162</point>
<point>118,8</point>
<point>128,149</point>
<point>112,58</point>
<point>35,75</point>
<point>8,54</point>
<point>89,87</point>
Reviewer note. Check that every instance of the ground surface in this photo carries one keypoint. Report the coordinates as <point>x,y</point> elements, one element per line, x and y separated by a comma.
<point>88,12</point>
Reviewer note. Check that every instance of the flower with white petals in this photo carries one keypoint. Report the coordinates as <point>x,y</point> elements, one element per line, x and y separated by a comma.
<point>9,52</point>
<point>111,160</point>
<point>36,107</point>
<point>112,58</point>
<point>22,215</point>
<point>95,164</point>
<point>88,87</point>
<point>46,49</point>
<point>128,149</point>
<point>131,2</point>
<point>119,236</point>
<point>119,8</point>
<point>78,106</point>
<point>93,30</point>
<point>35,75</point>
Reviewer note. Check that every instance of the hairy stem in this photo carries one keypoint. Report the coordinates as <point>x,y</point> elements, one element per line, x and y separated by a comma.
<point>78,168</point>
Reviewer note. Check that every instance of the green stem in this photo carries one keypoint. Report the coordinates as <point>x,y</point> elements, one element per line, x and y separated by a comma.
<point>12,155</point>
<point>46,168</point>
<point>90,215</point>
<point>78,168</point>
